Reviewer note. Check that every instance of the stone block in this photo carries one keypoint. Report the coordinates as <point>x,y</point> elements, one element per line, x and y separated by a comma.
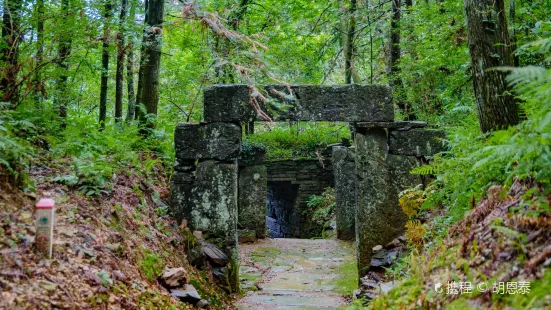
<point>416,142</point>
<point>209,203</point>
<point>246,236</point>
<point>252,199</point>
<point>379,218</point>
<point>345,190</point>
<point>400,167</point>
<point>221,141</point>
<point>353,103</point>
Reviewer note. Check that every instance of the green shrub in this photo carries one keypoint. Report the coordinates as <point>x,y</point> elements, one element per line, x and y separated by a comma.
<point>303,140</point>
<point>320,211</point>
<point>151,265</point>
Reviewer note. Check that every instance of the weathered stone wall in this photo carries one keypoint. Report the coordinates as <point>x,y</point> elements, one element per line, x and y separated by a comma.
<point>205,189</point>
<point>344,166</point>
<point>352,103</point>
<point>310,177</point>
<point>384,158</point>
<point>252,200</point>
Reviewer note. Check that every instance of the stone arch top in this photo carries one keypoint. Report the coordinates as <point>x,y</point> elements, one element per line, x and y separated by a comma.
<point>346,103</point>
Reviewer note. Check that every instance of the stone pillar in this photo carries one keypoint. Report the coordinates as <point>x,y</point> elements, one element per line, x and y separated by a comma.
<point>253,193</point>
<point>204,190</point>
<point>379,218</point>
<point>345,191</point>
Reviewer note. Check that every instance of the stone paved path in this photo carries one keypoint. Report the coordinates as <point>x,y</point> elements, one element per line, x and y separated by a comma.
<point>296,274</point>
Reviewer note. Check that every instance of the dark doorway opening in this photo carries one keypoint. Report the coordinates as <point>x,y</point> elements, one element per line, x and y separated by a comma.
<point>282,210</point>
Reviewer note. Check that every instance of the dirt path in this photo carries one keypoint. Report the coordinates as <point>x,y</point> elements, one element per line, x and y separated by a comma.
<point>296,274</point>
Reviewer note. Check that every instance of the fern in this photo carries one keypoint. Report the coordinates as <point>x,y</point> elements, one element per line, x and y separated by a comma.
<point>426,170</point>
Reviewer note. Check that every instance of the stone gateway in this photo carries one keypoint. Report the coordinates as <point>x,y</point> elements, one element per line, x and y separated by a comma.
<point>218,194</point>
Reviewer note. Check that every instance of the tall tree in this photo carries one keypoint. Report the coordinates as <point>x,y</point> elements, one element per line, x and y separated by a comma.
<point>152,52</point>
<point>64,51</point>
<point>9,50</point>
<point>104,63</point>
<point>394,61</point>
<point>39,90</point>
<point>139,92</point>
<point>349,49</point>
<point>490,48</point>
<point>130,65</point>
<point>119,80</point>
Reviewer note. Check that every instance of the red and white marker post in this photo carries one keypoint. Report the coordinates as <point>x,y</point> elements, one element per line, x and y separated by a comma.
<point>44,227</point>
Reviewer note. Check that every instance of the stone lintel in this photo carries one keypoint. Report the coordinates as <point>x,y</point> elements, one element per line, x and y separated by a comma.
<point>352,103</point>
<point>416,142</point>
<point>220,141</point>
<point>398,125</point>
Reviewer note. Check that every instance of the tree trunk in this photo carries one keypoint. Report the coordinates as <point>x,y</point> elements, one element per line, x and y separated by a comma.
<point>394,61</point>
<point>150,95</point>
<point>130,82</point>
<point>139,93</point>
<point>64,51</point>
<point>9,51</point>
<point>512,17</point>
<point>119,80</point>
<point>489,46</point>
<point>104,64</point>
<point>39,91</point>
<point>349,51</point>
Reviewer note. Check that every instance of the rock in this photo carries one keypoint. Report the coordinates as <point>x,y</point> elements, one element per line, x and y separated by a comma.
<point>173,277</point>
<point>47,285</point>
<point>395,243</point>
<point>188,294</point>
<point>416,142</point>
<point>81,251</point>
<point>196,257</point>
<point>363,295</point>
<point>26,217</point>
<point>214,254</point>
<point>383,258</point>
<point>246,236</point>
<point>368,283</point>
<point>183,224</point>
<point>113,247</point>
<point>253,188</point>
<point>87,238</point>
<point>198,234</point>
<point>222,278</point>
<point>119,276</point>
<point>349,103</point>
<point>202,304</point>
<point>345,188</point>
<point>385,287</point>
<point>220,141</point>
<point>377,248</point>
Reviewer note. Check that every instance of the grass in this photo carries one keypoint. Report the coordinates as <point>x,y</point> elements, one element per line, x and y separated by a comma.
<point>265,255</point>
<point>301,141</point>
<point>347,281</point>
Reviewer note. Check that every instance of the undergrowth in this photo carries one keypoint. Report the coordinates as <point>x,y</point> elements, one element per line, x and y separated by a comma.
<point>86,157</point>
<point>301,140</point>
<point>320,212</point>
<point>483,172</point>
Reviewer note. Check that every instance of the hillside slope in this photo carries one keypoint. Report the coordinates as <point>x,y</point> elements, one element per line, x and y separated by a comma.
<point>497,257</point>
<point>108,250</point>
